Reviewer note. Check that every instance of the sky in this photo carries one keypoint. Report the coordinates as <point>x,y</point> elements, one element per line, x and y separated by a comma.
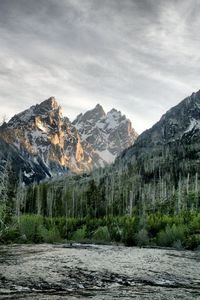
<point>139,56</point>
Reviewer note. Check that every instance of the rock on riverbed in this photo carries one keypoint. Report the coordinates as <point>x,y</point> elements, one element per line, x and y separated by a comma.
<point>97,272</point>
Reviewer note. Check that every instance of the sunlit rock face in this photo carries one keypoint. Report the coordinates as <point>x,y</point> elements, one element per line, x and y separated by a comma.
<point>92,140</point>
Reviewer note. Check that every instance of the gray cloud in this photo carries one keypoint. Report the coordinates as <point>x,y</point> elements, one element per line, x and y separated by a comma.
<point>139,56</point>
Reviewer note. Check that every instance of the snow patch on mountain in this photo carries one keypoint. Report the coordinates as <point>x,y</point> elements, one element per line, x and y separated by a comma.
<point>108,134</point>
<point>106,156</point>
<point>93,140</point>
<point>194,124</point>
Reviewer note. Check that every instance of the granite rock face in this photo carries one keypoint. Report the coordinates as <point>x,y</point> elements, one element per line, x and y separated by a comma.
<point>108,134</point>
<point>60,146</point>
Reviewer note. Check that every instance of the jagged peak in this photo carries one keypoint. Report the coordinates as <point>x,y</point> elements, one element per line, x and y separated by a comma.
<point>194,98</point>
<point>189,103</point>
<point>94,114</point>
<point>98,106</point>
<point>92,140</point>
<point>99,110</point>
<point>50,103</point>
<point>114,113</point>
<point>41,109</point>
<point>113,110</point>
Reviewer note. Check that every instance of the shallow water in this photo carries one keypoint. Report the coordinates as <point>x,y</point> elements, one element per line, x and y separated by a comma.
<point>97,272</point>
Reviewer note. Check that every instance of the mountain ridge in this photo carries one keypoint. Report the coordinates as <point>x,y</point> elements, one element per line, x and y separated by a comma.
<point>179,123</point>
<point>159,173</point>
<point>90,141</point>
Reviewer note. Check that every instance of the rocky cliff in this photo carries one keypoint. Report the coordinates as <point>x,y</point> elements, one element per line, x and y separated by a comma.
<point>52,141</point>
<point>107,134</point>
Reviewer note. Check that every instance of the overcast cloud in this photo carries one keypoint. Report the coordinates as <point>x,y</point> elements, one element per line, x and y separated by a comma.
<point>139,56</point>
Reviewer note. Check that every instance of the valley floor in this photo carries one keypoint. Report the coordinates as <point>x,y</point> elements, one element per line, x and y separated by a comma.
<point>61,271</point>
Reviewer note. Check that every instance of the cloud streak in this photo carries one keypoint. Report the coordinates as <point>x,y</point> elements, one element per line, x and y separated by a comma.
<point>141,57</point>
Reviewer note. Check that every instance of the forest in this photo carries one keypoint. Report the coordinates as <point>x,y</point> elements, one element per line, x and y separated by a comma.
<point>151,200</point>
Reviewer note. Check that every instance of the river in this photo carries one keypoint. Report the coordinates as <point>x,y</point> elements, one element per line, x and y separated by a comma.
<point>97,272</point>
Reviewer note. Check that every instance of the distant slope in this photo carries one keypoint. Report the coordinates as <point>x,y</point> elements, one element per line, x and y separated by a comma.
<point>180,125</point>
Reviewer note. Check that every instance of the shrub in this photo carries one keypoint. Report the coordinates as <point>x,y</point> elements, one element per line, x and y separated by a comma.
<point>101,234</point>
<point>51,236</point>
<point>129,231</point>
<point>195,223</point>
<point>80,234</point>
<point>115,233</point>
<point>171,234</point>
<point>164,230</point>
<point>142,238</point>
<point>30,227</point>
<point>193,242</point>
<point>10,234</point>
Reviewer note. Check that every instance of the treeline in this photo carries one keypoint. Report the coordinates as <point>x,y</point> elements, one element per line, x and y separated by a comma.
<point>161,184</point>
<point>165,181</point>
<point>180,231</point>
<point>110,195</point>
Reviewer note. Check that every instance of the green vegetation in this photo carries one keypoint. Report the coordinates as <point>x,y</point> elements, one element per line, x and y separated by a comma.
<point>180,231</point>
<point>148,202</point>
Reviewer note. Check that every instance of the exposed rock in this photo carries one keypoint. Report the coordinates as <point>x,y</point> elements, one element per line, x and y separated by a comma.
<point>181,124</point>
<point>92,140</point>
<point>108,134</point>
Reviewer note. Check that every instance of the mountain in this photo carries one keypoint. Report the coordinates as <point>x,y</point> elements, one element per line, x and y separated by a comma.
<point>162,168</point>
<point>180,126</point>
<point>108,134</point>
<point>59,146</point>
<point>45,135</point>
<point>159,172</point>
<point>150,195</point>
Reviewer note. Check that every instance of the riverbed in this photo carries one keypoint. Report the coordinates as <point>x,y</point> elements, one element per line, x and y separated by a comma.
<point>97,272</point>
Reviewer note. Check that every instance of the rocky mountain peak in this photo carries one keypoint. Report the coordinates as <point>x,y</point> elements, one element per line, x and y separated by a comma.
<point>99,107</point>
<point>90,117</point>
<point>108,134</point>
<point>179,125</point>
<point>49,107</point>
<point>93,140</point>
<point>95,113</point>
<point>46,109</point>
<point>115,116</point>
<point>180,119</point>
<point>49,104</point>
<point>114,111</point>
<point>195,96</point>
